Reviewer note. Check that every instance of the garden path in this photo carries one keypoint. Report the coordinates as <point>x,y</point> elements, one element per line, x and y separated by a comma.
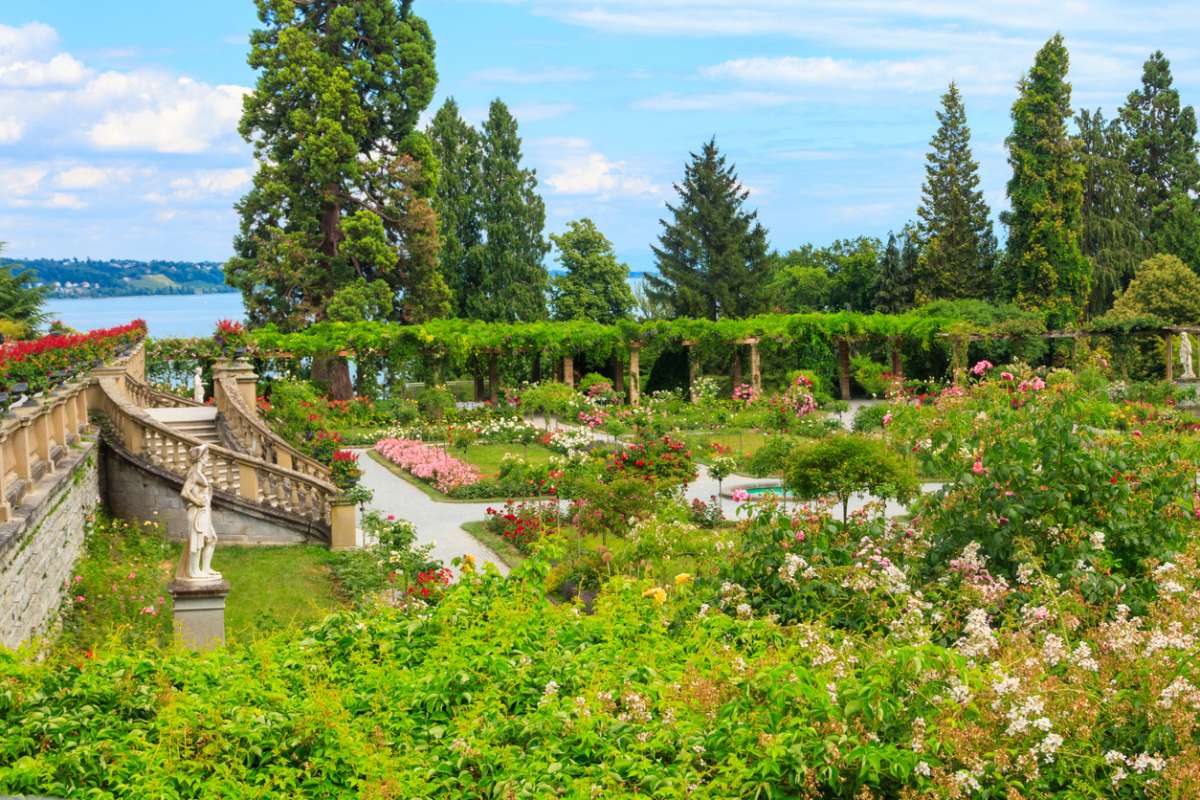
<point>439,524</point>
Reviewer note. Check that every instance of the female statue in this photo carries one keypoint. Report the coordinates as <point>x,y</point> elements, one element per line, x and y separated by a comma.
<point>1185,356</point>
<point>196,562</point>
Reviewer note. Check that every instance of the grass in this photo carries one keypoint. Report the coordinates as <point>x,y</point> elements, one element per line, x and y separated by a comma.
<point>741,443</point>
<point>276,587</point>
<point>487,457</point>
<point>504,549</point>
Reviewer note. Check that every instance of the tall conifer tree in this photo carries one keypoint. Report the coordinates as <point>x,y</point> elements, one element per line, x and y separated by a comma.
<point>712,255</point>
<point>1044,267</point>
<point>958,244</point>
<point>512,280</point>
<point>895,290</point>
<point>457,202</point>
<point>341,200</point>
<point>1162,148</point>
<point>1112,236</point>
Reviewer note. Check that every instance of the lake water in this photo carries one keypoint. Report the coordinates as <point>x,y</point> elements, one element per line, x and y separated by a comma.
<point>166,315</point>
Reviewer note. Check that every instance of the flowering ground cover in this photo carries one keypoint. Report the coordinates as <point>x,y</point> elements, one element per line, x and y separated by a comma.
<point>430,464</point>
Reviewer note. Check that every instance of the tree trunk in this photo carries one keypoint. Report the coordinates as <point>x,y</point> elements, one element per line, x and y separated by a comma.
<point>480,392</point>
<point>333,372</point>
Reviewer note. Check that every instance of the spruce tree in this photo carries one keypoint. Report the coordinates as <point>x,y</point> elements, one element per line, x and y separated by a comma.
<point>512,280</point>
<point>895,290</point>
<point>1162,148</point>
<point>1044,267</point>
<point>712,255</point>
<point>457,202</point>
<point>596,285</point>
<point>958,245</point>
<point>1112,237</point>
<point>342,194</point>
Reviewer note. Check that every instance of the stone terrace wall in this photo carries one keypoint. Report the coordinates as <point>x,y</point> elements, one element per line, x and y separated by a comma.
<point>39,547</point>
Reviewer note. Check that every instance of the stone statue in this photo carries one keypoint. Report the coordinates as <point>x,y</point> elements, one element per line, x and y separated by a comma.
<point>198,386</point>
<point>195,565</point>
<point>1185,357</point>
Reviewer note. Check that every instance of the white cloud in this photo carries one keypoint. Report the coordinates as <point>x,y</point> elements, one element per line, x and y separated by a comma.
<point>576,169</point>
<point>164,116</point>
<point>713,101</point>
<point>10,131</point>
<point>61,70</point>
<point>832,72</point>
<point>530,76</point>
<point>63,200</point>
<point>22,180</point>
<point>17,43</point>
<point>211,182</point>
<point>89,177</point>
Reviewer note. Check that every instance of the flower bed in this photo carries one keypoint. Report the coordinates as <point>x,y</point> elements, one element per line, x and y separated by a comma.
<point>437,467</point>
<point>40,362</point>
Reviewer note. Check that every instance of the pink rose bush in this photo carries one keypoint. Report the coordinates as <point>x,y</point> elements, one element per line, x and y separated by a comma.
<point>430,464</point>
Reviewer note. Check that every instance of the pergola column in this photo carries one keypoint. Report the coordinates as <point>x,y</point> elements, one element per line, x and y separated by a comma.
<point>897,363</point>
<point>693,369</point>
<point>617,365</point>
<point>635,373</point>
<point>843,357</point>
<point>493,377</point>
<point>1170,357</point>
<point>568,366</point>
<point>737,365</point>
<point>755,368</point>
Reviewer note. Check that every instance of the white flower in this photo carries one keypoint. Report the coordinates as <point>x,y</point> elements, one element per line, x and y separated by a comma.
<point>922,769</point>
<point>1097,540</point>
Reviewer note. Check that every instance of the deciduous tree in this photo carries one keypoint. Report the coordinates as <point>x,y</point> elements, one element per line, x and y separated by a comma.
<point>596,285</point>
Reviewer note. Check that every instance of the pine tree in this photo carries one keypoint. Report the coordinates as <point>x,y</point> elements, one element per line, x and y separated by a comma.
<point>596,285</point>
<point>1111,238</point>
<point>1044,267</point>
<point>342,194</point>
<point>894,292</point>
<point>958,245</point>
<point>457,202</point>
<point>1162,148</point>
<point>512,280</point>
<point>712,256</point>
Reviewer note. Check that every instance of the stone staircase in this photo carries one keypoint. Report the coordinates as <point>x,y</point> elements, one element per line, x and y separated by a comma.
<point>198,422</point>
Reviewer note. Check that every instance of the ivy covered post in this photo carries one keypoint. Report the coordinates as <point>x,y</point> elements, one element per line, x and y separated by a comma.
<point>617,367</point>
<point>737,364</point>
<point>493,376</point>
<point>755,367</point>
<point>897,364</point>
<point>635,373</point>
<point>1170,356</point>
<point>693,368</point>
<point>843,358</point>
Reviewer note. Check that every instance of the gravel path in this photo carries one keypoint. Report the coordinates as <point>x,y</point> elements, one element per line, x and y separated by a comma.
<point>439,524</point>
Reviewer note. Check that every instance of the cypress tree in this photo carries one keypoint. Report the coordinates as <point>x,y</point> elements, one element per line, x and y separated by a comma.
<point>1045,268</point>
<point>512,280</point>
<point>457,202</point>
<point>958,244</point>
<point>1112,237</point>
<point>712,255</point>
<point>1162,147</point>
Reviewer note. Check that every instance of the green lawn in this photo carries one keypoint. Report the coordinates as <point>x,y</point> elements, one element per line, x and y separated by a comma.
<point>273,587</point>
<point>742,443</point>
<point>487,457</point>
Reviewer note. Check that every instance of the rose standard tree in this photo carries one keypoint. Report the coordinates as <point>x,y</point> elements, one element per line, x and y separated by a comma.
<point>340,210</point>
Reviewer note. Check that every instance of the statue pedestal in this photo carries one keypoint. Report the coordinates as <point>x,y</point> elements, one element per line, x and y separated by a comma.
<point>200,613</point>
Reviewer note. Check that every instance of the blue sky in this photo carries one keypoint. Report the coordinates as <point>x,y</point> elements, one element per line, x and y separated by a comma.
<point>118,119</point>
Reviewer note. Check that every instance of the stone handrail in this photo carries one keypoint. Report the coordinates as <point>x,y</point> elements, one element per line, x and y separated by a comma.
<point>258,439</point>
<point>235,474</point>
<point>144,395</point>
<point>34,437</point>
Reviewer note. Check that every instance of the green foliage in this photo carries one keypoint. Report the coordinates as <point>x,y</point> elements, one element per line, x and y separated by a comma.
<point>457,147</point>
<point>796,288</point>
<point>595,286</point>
<point>435,402</point>
<point>20,301</point>
<point>870,418</point>
<point>392,564</point>
<point>771,458</point>
<point>116,592</point>
<point>869,374</point>
<point>849,464</point>
<point>1162,156</point>
<point>506,280</point>
<point>712,255</point>
<point>958,247</point>
<point>895,291</point>
<point>1112,225</point>
<point>1044,267</point>
<point>329,204</point>
<point>549,399</point>
<point>1165,288</point>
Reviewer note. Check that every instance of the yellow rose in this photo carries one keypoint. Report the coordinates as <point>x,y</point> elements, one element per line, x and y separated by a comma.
<point>658,593</point>
<point>682,578</point>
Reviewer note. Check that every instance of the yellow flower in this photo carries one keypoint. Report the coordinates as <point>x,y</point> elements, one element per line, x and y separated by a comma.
<point>682,578</point>
<point>468,563</point>
<point>658,593</point>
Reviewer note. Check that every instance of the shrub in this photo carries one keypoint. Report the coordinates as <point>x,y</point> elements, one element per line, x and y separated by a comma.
<point>549,399</point>
<point>435,402</point>
<point>870,375</point>
<point>849,464</point>
<point>870,417</point>
<point>771,458</point>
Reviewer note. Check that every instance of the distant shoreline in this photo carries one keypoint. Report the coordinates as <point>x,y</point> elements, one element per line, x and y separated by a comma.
<point>107,296</point>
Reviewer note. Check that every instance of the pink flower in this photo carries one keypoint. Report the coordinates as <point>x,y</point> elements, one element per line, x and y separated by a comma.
<point>79,598</point>
<point>981,367</point>
<point>977,467</point>
<point>887,419</point>
<point>1007,376</point>
<point>740,496</point>
<point>429,464</point>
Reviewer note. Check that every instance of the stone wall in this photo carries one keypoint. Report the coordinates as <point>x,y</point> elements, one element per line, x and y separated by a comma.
<point>42,542</point>
<point>139,491</point>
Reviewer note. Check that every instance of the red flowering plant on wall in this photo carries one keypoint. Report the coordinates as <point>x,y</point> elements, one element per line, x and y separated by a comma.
<point>230,335</point>
<point>344,469</point>
<point>41,362</point>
